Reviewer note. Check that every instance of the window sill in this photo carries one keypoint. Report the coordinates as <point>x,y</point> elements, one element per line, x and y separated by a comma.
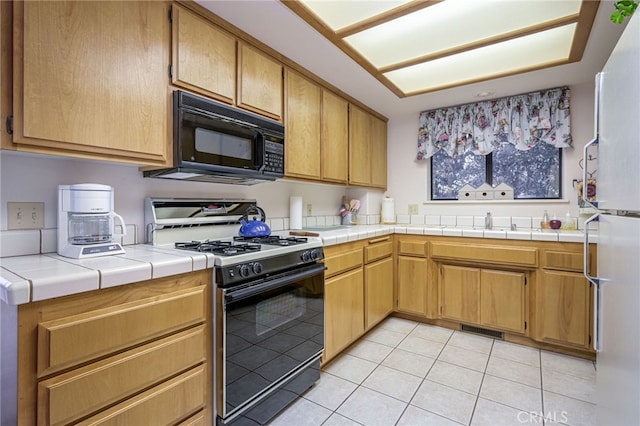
<point>457,202</point>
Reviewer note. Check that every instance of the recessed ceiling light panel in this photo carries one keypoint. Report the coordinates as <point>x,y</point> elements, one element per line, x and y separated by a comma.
<point>451,24</point>
<point>339,13</point>
<point>525,53</point>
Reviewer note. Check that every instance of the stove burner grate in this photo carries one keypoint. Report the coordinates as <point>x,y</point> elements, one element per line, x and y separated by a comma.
<point>223,248</point>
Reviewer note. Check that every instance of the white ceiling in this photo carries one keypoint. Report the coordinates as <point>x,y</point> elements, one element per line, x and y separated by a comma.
<point>278,27</point>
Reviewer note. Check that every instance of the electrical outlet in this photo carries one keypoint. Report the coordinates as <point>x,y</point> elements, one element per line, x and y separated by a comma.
<point>25,215</point>
<point>309,210</point>
<point>413,209</point>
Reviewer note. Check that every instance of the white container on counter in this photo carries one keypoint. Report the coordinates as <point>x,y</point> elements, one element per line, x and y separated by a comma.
<point>388,211</point>
<point>295,212</point>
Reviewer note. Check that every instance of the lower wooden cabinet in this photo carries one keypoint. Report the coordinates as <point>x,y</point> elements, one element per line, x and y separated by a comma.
<point>163,404</point>
<point>358,290</point>
<point>134,354</point>
<point>460,293</point>
<point>490,298</point>
<point>563,309</point>
<point>378,291</point>
<point>344,311</point>
<point>502,300</point>
<point>411,285</point>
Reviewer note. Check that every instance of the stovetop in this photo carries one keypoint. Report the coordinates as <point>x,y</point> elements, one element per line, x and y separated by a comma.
<point>237,250</point>
<point>239,245</point>
<point>208,225</point>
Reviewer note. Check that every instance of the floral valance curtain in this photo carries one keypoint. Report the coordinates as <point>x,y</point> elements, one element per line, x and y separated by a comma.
<point>522,120</point>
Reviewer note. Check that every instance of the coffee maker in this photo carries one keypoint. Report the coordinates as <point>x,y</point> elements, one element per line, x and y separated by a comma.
<point>86,221</point>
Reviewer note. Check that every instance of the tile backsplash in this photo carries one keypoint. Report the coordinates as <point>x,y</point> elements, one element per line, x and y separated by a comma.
<point>38,241</point>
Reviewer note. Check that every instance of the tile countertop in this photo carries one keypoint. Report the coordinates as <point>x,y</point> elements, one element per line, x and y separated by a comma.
<point>31,278</point>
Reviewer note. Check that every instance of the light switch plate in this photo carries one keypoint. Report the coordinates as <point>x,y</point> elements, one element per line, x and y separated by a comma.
<point>25,215</point>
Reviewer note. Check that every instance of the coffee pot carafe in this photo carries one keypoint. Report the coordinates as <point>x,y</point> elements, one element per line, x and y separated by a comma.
<point>86,221</point>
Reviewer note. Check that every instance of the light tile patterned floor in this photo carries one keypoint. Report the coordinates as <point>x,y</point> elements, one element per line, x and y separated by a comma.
<point>407,373</point>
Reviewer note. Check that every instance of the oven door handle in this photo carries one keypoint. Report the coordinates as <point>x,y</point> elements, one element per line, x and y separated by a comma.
<point>235,295</point>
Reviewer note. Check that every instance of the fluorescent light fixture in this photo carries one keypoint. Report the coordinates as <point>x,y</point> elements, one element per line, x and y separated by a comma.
<point>418,46</point>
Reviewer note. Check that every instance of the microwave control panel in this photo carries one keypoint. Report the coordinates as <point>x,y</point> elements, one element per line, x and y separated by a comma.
<point>274,157</point>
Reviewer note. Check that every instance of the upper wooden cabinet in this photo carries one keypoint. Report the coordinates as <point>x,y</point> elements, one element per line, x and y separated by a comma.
<point>204,56</point>
<point>367,149</point>
<point>359,146</point>
<point>260,82</point>
<point>378,152</point>
<point>334,138</point>
<point>316,131</point>
<point>303,152</point>
<point>90,80</point>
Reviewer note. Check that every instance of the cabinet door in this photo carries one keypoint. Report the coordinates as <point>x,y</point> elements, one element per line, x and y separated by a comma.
<point>378,291</point>
<point>502,300</point>
<point>359,146</point>
<point>411,285</point>
<point>378,152</point>
<point>260,82</point>
<point>168,403</point>
<point>67,397</point>
<point>344,311</point>
<point>460,293</point>
<point>204,56</point>
<point>91,79</point>
<point>335,138</point>
<point>563,309</point>
<point>302,158</point>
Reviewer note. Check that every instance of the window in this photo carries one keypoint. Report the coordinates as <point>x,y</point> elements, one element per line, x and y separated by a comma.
<point>533,174</point>
<point>516,141</point>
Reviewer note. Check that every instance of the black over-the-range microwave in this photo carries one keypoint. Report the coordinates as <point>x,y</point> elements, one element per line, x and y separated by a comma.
<point>214,142</point>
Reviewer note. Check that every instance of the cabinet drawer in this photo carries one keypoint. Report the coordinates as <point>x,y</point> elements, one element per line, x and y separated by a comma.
<point>412,248</point>
<point>378,249</point>
<point>72,395</point>
<point>501,255</point>
<point>566,261</point>
<point>343,262</point>
<point>79,338</point>
<point>166,404</point>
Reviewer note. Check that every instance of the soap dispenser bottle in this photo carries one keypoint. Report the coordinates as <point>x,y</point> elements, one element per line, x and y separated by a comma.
<point>544,224</point>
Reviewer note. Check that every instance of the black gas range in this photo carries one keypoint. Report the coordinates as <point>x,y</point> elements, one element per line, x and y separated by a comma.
<point>241,259</point>
<point>268,304</point>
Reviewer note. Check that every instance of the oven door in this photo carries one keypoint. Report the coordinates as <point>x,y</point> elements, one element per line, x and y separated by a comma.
<point>267,333</point>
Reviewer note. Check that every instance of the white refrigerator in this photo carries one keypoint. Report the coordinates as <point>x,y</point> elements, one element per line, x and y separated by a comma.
<point>617,285</point>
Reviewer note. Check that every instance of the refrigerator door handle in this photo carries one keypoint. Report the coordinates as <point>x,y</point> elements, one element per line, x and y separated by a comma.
<point>597,319</point>
<point>597,305</point>
<point>585,173</point>
<point>594,280</point>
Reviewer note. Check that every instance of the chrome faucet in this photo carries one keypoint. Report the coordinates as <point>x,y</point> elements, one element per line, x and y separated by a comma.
<point>488,221</point>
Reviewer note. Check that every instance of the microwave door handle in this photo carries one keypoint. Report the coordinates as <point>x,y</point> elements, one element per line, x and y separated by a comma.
<point>260,161</point>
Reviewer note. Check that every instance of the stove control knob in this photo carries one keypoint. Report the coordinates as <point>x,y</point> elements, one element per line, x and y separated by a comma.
<point>305,256</point>
<point>315,254</point>
<point>257,268</point>
<point>244,270</point>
